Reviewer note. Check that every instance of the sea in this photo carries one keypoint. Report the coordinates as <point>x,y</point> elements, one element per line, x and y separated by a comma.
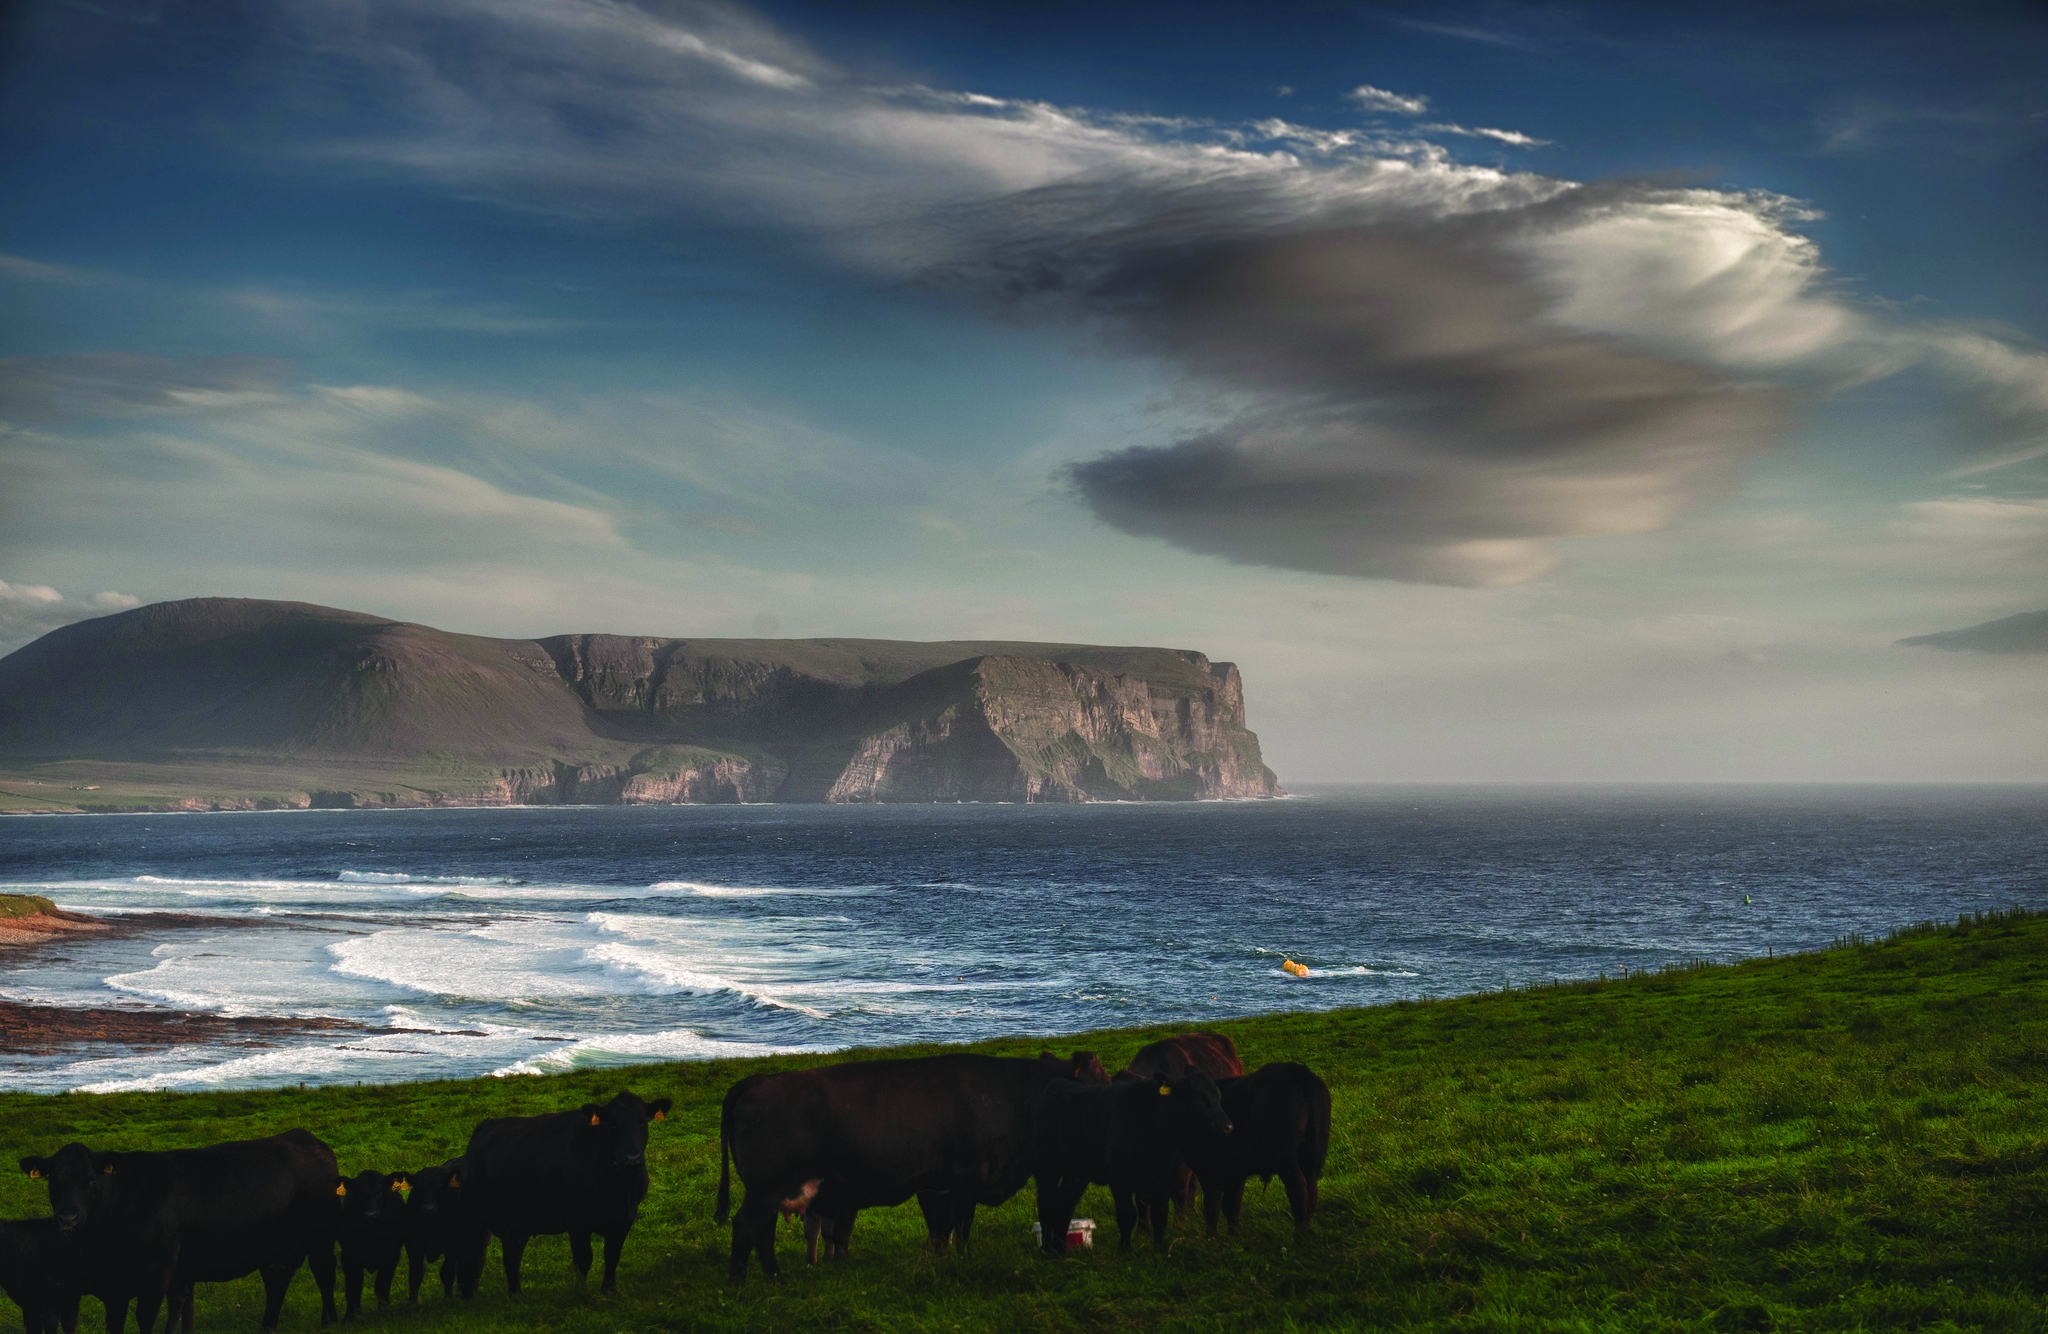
<point>526,940</point>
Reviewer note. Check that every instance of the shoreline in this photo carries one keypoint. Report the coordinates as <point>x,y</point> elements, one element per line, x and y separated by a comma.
<point>46,1030</point>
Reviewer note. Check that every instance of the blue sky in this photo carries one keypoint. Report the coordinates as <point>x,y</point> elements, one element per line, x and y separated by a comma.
<point>1514,391</point>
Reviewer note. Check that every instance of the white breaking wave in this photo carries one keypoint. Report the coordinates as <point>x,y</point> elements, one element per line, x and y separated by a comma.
<point>405,878</point>
<point>702,891</point>
<point>679,1044</point>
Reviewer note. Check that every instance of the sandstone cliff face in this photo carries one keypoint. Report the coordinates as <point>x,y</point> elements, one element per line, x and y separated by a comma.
<point>379,713</point>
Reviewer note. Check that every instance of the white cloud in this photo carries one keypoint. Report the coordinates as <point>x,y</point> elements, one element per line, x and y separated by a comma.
<point>1515,137</point>
<point>1379,99</point>
<point>29,611</point>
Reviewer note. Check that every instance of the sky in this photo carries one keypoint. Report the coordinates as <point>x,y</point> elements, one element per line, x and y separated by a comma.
<point>1516,392</point>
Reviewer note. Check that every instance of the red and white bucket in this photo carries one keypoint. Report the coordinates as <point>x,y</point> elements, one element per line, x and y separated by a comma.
<point>1080,1232</point>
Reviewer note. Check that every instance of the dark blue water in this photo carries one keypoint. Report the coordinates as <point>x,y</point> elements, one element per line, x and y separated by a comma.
<point>528,939</point>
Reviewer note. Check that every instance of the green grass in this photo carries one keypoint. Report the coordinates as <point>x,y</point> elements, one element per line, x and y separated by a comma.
<point>1853,1139</point>
<point>24,905</point>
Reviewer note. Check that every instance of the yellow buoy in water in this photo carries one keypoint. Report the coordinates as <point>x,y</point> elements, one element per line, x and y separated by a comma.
<point>1295,969</point>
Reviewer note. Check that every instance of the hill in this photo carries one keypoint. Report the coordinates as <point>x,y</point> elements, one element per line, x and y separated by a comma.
<point>235,703</point>
<point>1850,1140</point>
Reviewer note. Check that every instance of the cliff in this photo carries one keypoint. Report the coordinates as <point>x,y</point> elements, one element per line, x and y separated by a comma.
<point>220,702</point>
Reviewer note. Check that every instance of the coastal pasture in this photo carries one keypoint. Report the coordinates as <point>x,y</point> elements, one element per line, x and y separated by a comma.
<point>1851,1139</point>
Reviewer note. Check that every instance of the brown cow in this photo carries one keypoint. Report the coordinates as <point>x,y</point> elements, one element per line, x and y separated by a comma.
<point>952,1130</point>
<point>1211,1053</point>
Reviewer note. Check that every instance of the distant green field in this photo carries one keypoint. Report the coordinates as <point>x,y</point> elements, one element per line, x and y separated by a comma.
<point>1853,1139</point>
<point>24,905</point>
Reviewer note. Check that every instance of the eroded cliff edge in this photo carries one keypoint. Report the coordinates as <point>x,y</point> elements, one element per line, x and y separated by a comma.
<point>221,703</point>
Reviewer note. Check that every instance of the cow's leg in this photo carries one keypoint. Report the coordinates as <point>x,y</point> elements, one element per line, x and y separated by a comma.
<point>753,1229</point>
<point>614,1247</point>
<point>963,1220</point>
<point>511,1248</point>
<point>352,1287</point>
<point>1297,1196</point>
<point>842,1234</point>
<point>469,1264</point>
<point>937,1207</point>
<point>1155,1200</point>
<point>815,1223</point>
<point>67,1313</point>
<point>276,1280</point>
<point>116,1309</point>
<point>384,1277</point>
<point>1126,1213</point>
<point>187,1299</point>
<point>579,1255</point>
<point>320,1259</point>
<point>1233,1203</point>
<point>146,1307</point>
<point>1212,1205</point>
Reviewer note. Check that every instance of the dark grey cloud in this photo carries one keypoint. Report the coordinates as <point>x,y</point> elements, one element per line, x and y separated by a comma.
<point>1400,407</point>
<point>2024,633</point>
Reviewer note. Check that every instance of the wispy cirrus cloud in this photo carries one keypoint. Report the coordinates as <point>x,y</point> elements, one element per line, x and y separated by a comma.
<point>1379,99</point>
<point>1515,137</point>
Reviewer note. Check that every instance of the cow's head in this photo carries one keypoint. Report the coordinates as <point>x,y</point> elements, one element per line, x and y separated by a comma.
<point>619,1128</point>
<point>1082,1065</point>
<point>1192,1102</point>
<point>77,1177</point>
<point>372,1201</point>
<point>435,1189</point>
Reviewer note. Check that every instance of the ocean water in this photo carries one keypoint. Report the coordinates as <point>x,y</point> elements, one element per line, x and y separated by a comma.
<point>521,940</point>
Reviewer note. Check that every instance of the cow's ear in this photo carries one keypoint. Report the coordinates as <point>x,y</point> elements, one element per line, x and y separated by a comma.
<point>658,1109</point>
<point>35,1167</point>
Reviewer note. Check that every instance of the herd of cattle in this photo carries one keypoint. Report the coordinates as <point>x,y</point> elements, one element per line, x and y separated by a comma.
<point>958,1132</point>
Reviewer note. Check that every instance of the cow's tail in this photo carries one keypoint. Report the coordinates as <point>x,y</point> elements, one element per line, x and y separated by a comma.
<point>724,1209</point>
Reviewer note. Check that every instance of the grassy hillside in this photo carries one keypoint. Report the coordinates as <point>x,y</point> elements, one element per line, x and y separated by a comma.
<point>1855,1139</point>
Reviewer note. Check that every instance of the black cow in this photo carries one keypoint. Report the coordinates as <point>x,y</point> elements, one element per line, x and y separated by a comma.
<point>41,1271</point>
<point>150,1225</point>
<point>371,1232</point>
<point>1282,1114</point>
<point>1129,1136</point>
<point>1212,1053</point>
<point>576,1172</point>
<point>951,1130</point>
<point>439,1225</point>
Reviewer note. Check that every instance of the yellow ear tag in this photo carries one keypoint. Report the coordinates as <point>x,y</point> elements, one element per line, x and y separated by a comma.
<point>593,1118</point>
<point>1166,1090</point>
<point>660,1115</point>
<point>35,1174</point>
<point>108,1170</point>
<point>398,1188</point>
<point>341,1188</point>
<point>454,1181</point>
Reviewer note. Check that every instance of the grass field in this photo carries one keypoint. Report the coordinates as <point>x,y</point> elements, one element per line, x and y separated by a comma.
<point>1854,1139</point>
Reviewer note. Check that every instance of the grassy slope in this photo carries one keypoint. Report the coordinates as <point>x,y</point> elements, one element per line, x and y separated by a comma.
<point>1852,1139</point>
